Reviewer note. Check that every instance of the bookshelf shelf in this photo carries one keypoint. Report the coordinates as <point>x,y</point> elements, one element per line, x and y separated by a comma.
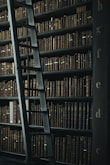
<point>51,98</point>
<point>55,130</point>
<point>7,77</point>
<point>3,6</point>
<point>60,12</point>
<point>65,30</point>
<point>12,154</point>
<point>52,74</point>
<point>66,50</point>
<point>59,52</point>
<point>53,32</point>
<point>7,41</point>
<point>67,98</point>
<point>56,12</point>
<point>68,72</point>
<point>4,25</point>
<point>18,126</point>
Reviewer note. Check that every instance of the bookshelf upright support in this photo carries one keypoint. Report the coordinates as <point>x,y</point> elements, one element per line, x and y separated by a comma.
<point>101,73</point>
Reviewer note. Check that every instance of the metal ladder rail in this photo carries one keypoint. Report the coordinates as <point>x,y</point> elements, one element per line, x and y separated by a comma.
<point>20,88</point>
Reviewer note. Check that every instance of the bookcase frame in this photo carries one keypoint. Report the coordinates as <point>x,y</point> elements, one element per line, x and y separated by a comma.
<point>100,122</point>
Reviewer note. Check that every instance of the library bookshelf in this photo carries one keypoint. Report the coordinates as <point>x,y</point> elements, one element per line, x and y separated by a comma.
<point>66,42</point>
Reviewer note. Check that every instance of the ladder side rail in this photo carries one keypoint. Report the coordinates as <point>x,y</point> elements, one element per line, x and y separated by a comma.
<point>16,54</point>
<point>34,42</point>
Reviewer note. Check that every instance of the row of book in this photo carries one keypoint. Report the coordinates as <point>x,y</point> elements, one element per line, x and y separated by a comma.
<point>10,113</point>
<point>67,86</point>
<point>55,42</point>
<point>80,146</point>
<point>73,149</point>
<point>81,60</point>
<point>7,68</point>
<point>22,31</point>
<point>77,115</point>
<point>66,21</point>
<point>3,2</point>
<point>6,50</point>
<point>19,13</point>
<point>81,16</point>
<point>8,88</point>
<point>5,114</point>
<point>5,34</point>
<point>3,15</point>
<point>11,140</point>
<point>78,38</point>
<point>48,5</point>
<point>74,60</point>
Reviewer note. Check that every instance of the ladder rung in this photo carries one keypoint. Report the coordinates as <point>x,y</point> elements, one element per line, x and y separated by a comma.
<point>42,156</point>
<point>38,111</point>
<point>37,89</point>
<point>31,89</point>
<point>28,46</point>
<point>31,68</point>
<point>22,3</point>
<point>40,133</point>
<point>25,25</point>
<point>46,156</point>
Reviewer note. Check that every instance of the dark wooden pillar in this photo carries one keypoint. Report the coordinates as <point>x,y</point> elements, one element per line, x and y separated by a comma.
<point>101,82</point>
